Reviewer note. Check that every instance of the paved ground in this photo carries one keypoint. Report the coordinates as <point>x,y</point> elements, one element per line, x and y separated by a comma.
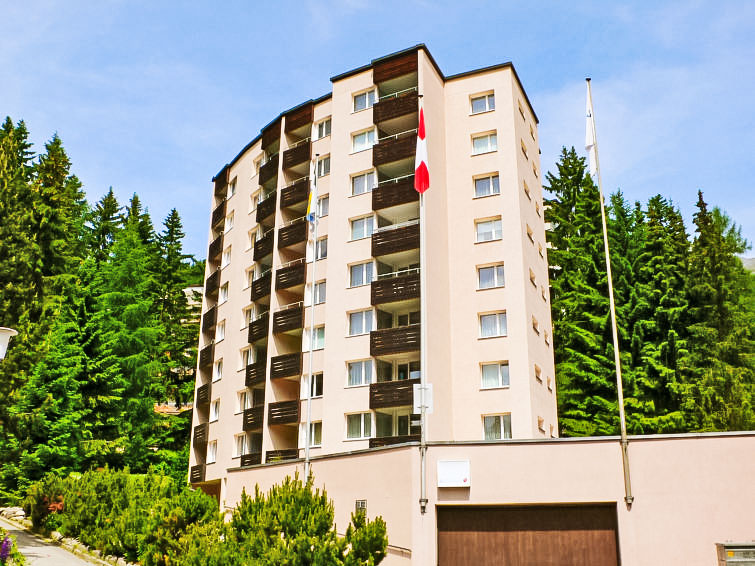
<point>41,553</point>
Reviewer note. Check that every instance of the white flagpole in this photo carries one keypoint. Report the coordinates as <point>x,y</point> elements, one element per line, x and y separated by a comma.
<point>307,434</point>
<point>423,350</point>
<point>592,147</point>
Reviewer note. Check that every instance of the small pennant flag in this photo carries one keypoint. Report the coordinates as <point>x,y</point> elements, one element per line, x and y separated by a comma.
<point>590,141</point>
<point>421,172</point>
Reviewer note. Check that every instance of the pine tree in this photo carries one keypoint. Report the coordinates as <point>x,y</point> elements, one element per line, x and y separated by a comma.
<point>104,221</point>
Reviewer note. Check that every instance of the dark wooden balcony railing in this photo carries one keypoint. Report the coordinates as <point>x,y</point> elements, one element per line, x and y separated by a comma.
<point>218,214</point>
<point>288,319</point>
<point>216,247</point>
<point>300,153</point>
<point>395,148</point>
<point>212,283</point>
<point>197,473</point>
<point>395,106</point>
<point>294,233</point>
<point>266,207</point>
<point>255,373</point>
<point>395,340</point>
<point>394,240</point>
<point>394,289</point>
<point>389,440</point>
<point>262,286</point>
<point>290,276</point>
<point>394,192</point>
<point>253,418</point>
<point>392,393</point>
<point>258,329</point>
<point>297,192</point>
<point>283,412</point>
<point>299,117</point>
<point>221,181</point>
<point>200,435</point>
<point>206,356</point>
<point>202,398</point>
<point>271,134</point>
<point>269,169</point>
<point>253,459</point>
<point>287,365</point>
<point>209,318</point>
<point>280,455</point>
<point>264,246</point>
<point>394,67</point>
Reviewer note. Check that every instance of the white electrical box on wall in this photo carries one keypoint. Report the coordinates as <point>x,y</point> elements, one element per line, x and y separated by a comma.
<point>454,473</point>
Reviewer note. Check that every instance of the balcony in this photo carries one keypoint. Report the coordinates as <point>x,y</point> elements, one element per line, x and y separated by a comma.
<point>266,208</point>
<point>206,356</point>
<point>389,69</point>
<point>258,329</point>
<point>255,373</point>
<point>221,181</point>
<point>209,318</point>
<point>295,193</point>
<point>253,418</point>
<point>212,283</point>
<point>218,215</point>
<point>395,340</point>
<point>271,135</point>
<point>200,435</point>
<point>253,459</point>
<point>394,192</point>
<point>395,238</point>
<point>262,286</point>
<point>289,318</point>
<point>264,246</point>
<point>395,148</point>
<point>196,474</point>
<point>297,154</point>
<point>291,275</point>
<point>202,397</point>
<point>394,289</point>
<point>283,412</point>
<point>392,393</point>
<point>287,365</point>
<point>216,247</point>
<point>269,169</point>
<point>272,456</point>
<point>390,440</point>
<point>299,117</point>
<point>294,233</point>
<point>396,105</point>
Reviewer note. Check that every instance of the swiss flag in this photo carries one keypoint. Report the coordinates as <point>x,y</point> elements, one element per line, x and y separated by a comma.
<point>421,173</point>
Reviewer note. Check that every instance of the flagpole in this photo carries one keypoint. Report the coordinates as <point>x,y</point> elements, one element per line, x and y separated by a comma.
<point>307,434</point>
<point>628,497</point>
<point>423,334</point>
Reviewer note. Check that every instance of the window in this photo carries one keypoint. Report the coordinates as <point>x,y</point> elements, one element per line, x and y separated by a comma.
<point>534,170</point>
<point>550,384</point>
<point>247,316</point>
<point>524,149</point>
<point>484,103</point>
<point>315,434</point>
<point>320,292</point>
<point>535,325</point>
<point>493,325</point>
<point>487,186</point>
<point>537,208</point>
<point>547,338</point>
<point>532,132</point>
<point>319,338</point>
<point>253,199</point>
<point>323,206</point>
<point>533,280</point>
<point>241,446</point>
<point>321,249</point>
<point>228,222</point>
<point>526,190</point>
<point>360,373</point>
<point>212,451</point>
<point>359,425</point>
<point>257,165</point>
<point>364,100</point>
<point>322,129</point>
<point>220,331</point>
<point>363,183</point>
<point>488,230</point>
<point>543,293</point>
<point>484,143</point>
<point>541,424</point>
<point>323,166</point>
<point>226,259</point>
<point>231,189</point>
<point>360,274</point>
<point>217,371</point>
<point>553,431</point>
<point>538,373</point>
<point>247,357</point>
<point>490,277</point>
<point>248,277</point>
<point>363,140</point>
<point>495,375</point>
<point>540,250</point>
<point>362,228</point>
<point>360,322</point>
<point>214,410</point>
<point>497,427</point>
<point>521,110</point>
<point>316,386</point>
<point>243,401</point>
<point>223,294</point>
<point>530,234</point>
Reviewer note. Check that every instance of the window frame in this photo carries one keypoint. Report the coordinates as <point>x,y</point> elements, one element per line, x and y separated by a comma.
<point>368,227</point>
<point>501,329</point>
<point>496,283</point>
<point>323,202</point>
<point>369,101</point>
<point>323,170</point>
<point>316,128</point>
<point>503,381</point>
<point>239,451</point>
<point>496,236</point>
<point>504,426</point>
<point>313,426</point>
<point>212,452</point>
<point>491,147</point>
<point>487,97</point>
<point>229,221</point>
<point>214,410</point>
<point>366,175</point>
<point>223,293</point>
<point>220,331</point>
<point>365,418</point>
<point>217,370</point>
<point>367,145</point>
<point>364,379</point>
<point>363,270</point>
<point>364,329</point>
<point>494,181</point>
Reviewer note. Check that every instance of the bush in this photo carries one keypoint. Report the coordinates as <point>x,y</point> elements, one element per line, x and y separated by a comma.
<point>9,553</point>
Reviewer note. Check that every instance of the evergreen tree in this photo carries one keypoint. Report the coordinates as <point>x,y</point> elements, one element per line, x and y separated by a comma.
<point>104,222</point>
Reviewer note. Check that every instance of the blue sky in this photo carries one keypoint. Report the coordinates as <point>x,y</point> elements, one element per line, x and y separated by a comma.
<point>154,97</point>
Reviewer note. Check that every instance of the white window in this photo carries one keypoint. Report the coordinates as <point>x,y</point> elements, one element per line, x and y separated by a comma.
<point>214,410</point>
<point>537,208</point>
<point>323,166</point>
<point>495,375</point>
<point>497,427</point>
<point>532,132</point>
<point>535,325</point>
<point>248,277</point>
<point>231,189</point>
<point>320,292</point>
<point>319,338</point>
<point>530,234</point>
<point>534,170</point>
<point>228,222</point>
<point>484,103</point>
<point>543,294</point>
<point>315,434</point>
<point>323,206</point>
<point>241,445</point>
<point>316,386</point>
<point>363,140</point>
<point>217,372</point>
<point>487,186</point>
<point>526,189</point>
<point>362,227</point>
<point>220,331</point>
<point>541,424</point>
<point>363,183</point>
<point>243,400</point>
<point>533,278</point>
<point>547,338</point>
<point>538,373</point>
<point>321,249</point>
<point>257,164</point>
<point>212,451</point>
<point>488,230</point>
<point>223,295</point>
<point>247,357</point>
<point>360,322</point>
<point>226,259</point>
<point>360,274</point>
<point>359,425</point>
<point>247,316</point>
<point>322,129</point>
<point>524,149</point>
<point>490,277</point>
<point>364,100</point>
<point>521,110</point>
<point>493,325</point>
<point>484,143</point>
<point>360,373</point>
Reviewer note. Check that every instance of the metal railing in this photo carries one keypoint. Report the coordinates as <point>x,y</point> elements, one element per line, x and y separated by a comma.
<point>294,221</point>
<point>292,262</point>
<point>295,181</point>
<point>300,142</point>
<point>396,226</point>
<point>289,306</point>
<point>398,135</point>
<point>399,273</point>
<point>397,93</point>
<point>395,180</point>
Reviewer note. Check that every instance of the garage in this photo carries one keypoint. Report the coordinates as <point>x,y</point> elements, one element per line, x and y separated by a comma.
<point>547,535</point>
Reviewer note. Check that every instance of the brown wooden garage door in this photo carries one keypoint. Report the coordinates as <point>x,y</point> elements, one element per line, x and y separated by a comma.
<point>563,535</point>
